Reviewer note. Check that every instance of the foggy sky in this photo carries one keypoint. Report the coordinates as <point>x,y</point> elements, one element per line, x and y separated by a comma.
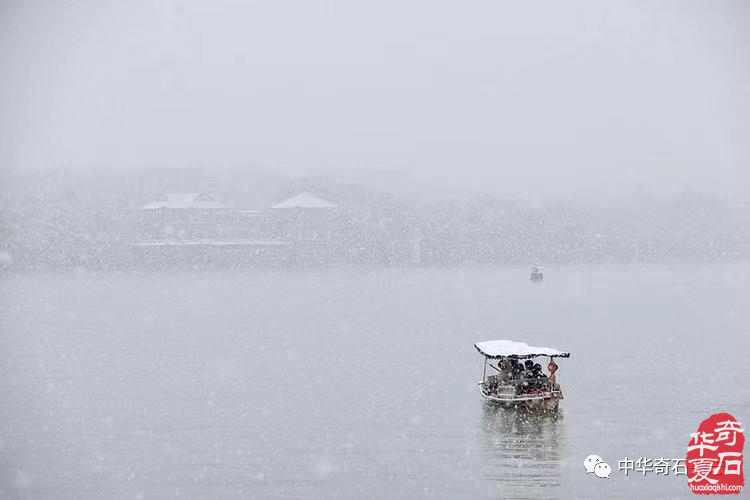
<point>576,96</point>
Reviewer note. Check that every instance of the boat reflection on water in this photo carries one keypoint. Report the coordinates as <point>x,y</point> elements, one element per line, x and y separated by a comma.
<point>521,452</point>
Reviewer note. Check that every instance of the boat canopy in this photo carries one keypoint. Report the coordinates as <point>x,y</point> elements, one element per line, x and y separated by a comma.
<point>517,350</point>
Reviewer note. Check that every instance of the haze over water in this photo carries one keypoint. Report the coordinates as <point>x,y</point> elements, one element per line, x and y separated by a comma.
<point>342,384</point>
<point>583,98</point>
<point>356,182</point>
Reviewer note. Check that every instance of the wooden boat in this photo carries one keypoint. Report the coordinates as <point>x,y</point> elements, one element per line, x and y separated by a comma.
<point>536,274</point>
<point>519,382</point>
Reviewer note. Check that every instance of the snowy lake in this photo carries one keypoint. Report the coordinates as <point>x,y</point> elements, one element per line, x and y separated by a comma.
<point>359,383</point>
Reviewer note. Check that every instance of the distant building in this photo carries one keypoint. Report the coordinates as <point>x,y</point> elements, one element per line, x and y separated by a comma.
<point>185,201</point>
<point>187,226</point>
<point>184,216</point>
<point>305,218</point>
<point>304,201</point>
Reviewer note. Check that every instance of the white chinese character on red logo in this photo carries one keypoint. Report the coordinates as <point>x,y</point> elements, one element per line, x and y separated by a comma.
<point>725,429</point>
<point>704,439</point>
<point>702,468</point>
<point>736,463</point>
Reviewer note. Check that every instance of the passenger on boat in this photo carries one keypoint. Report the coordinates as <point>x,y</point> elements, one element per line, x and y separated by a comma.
<point>552,367</point>
<point>542,379</point>
<point>516,370</point>
<point>504,373</point>
<point>520,378</point>
<point>533,378</point>
<point>491,383</point>
<point>530,379</point>
<point>528,366</point>
<point>502,377</point>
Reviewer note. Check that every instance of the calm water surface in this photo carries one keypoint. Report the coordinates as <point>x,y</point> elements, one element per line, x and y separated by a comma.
<point>358,384</point>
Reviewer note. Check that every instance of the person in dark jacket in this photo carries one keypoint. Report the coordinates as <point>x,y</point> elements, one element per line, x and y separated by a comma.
<point>534,376</point>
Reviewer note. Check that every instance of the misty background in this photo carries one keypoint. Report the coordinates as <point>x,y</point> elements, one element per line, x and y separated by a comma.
<point>246,248</point>
<point>502,132</point>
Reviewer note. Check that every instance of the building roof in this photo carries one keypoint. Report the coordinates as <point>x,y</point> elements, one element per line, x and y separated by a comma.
<point>304,200</point>
<point>185,200</point>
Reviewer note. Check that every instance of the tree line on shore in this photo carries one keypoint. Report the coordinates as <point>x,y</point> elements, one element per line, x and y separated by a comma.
<point>66,225</point>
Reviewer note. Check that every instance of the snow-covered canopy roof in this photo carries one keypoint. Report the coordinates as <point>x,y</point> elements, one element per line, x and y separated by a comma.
<point>185,200</point>
<point>518,350</point>
<point>304,200</point>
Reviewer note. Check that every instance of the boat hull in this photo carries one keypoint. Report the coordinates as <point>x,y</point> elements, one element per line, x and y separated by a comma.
<point>545,403</point>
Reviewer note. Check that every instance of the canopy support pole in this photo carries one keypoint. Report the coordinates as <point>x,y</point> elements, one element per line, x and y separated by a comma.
<point>484,373</point>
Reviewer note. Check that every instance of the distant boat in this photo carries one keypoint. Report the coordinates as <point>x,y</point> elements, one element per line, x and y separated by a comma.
<point>517,385</point>
<point>537,274</point>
